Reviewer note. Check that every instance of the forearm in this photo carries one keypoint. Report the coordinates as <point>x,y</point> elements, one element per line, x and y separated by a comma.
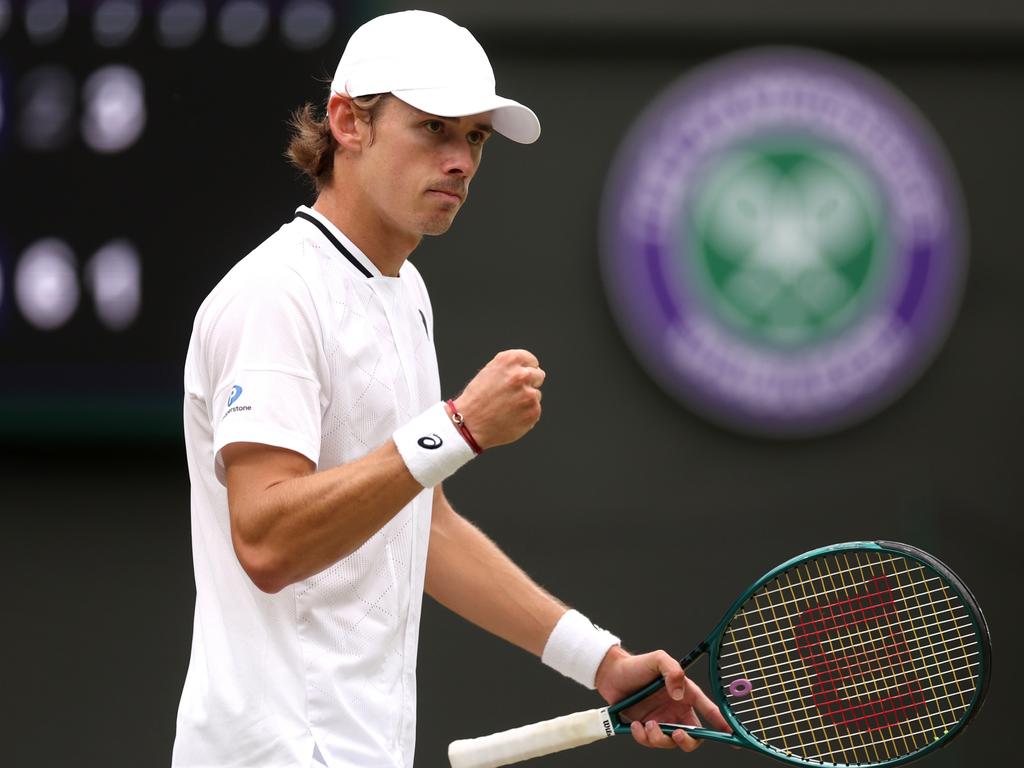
<point>470,575</point>
<point>290,529</point>
<point>289,522</point>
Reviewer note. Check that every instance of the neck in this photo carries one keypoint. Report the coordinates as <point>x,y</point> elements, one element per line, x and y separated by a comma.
<point>375,235</point>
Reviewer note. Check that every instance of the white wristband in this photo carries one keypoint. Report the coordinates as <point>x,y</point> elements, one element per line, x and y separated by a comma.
<point>576,647</point>
<point>431,446</point>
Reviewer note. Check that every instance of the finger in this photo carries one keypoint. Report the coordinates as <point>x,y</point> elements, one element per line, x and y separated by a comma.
<point>656,737</point>
<point>675,678</point>
<point>532,377</point>
<point>525,357</point>
<point>707,708</point>
<point>683,740</point>
<point>649,735</point>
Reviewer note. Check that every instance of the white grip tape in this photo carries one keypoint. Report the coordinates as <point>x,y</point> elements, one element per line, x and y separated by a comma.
<point>431,446</point>
<point>530,741</point>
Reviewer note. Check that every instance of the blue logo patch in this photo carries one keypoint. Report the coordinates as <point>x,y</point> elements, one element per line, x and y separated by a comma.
<point>236,392</point>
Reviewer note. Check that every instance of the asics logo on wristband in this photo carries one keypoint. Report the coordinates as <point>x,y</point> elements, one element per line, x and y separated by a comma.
<point>430,442</point>
<point>429,456</point>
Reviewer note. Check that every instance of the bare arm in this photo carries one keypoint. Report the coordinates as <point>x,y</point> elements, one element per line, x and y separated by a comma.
<point>289,522</point>
<point>470,575</point>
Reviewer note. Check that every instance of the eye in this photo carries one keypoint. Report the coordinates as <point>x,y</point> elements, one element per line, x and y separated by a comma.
<point>476,138</point>
<point>434,126</point>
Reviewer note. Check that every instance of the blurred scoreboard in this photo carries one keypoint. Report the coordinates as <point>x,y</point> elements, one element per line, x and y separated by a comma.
<point>140,156</point>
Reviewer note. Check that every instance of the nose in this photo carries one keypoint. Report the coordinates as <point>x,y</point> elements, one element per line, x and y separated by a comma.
<point>459,160</point>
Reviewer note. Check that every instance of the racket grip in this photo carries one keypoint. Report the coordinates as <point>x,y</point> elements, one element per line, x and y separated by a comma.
<point>533,740</point>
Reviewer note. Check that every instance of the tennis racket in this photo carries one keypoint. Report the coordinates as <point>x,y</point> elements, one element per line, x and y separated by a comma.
<point>866,653</point>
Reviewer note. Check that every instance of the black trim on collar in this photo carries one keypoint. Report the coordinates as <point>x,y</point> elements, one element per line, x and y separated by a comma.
<point>334,241</point>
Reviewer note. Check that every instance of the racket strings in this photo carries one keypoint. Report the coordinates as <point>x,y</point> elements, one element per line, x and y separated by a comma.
<point>899,710</point>
<point>903,623</point>
<point>850,659</point>
<point>792,686</point>
<point>840,713</point>
<point>939,637</point>
<point>773,626</point>
<point>824,754</point>
<point>815,718</point>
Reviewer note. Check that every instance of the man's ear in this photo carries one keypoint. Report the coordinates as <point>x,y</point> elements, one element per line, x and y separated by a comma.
<point>347,129</point>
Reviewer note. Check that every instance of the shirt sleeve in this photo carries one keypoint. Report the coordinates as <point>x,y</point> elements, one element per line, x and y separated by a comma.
<point>264,357</point>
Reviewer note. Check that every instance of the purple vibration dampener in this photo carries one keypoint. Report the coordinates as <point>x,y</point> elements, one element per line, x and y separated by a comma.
<point>740,688</point>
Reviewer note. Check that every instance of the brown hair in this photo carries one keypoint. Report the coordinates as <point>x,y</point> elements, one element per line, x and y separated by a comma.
<point>312,145</point>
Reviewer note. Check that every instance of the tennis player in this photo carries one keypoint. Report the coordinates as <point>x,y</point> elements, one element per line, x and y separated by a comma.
<point>317,441</point>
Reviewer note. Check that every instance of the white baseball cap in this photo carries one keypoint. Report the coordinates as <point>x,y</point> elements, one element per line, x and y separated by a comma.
<point>432,64</point>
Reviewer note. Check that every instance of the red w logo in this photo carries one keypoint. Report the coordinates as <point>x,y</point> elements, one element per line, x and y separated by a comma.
<point>855,646</point>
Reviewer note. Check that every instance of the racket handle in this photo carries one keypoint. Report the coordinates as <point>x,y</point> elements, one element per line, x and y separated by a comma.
<point>533,740</point>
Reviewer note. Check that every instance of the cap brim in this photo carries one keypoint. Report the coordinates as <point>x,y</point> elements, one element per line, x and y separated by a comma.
<point>509,118</point>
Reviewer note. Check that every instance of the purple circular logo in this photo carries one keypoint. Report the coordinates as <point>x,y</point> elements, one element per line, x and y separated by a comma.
<point>783,242</point>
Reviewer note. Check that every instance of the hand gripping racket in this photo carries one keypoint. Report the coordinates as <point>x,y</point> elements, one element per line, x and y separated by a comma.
<point>867,653</point>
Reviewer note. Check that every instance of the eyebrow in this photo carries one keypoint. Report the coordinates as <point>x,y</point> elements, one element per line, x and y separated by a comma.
<point>486,127</point>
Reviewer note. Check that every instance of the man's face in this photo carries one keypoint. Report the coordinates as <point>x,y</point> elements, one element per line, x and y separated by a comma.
<point>417,169</point>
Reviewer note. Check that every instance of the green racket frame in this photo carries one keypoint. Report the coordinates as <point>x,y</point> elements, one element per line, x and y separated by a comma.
<point>712,646</point>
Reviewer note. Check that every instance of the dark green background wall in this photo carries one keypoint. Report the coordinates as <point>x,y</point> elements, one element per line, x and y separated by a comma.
<point>621,502</point>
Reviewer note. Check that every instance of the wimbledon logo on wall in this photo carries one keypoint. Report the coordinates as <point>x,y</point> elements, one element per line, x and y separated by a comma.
<point>783,242</point>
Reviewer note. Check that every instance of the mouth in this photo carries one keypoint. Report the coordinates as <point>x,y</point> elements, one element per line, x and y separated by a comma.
<point>447,195</point>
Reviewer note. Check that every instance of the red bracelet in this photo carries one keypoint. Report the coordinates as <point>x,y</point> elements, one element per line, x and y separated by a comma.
<point>460,424</point>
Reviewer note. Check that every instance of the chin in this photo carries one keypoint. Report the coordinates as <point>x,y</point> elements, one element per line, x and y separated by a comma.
<point>437,226</point>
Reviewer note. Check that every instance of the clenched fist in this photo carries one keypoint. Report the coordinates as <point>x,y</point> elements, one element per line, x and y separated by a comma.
<point>502,402</point>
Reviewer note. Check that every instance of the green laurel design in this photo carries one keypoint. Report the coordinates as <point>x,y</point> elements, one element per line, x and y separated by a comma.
<point>787,239</point>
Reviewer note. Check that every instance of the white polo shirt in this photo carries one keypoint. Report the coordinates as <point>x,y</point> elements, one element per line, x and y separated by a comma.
<point>306,346</point>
